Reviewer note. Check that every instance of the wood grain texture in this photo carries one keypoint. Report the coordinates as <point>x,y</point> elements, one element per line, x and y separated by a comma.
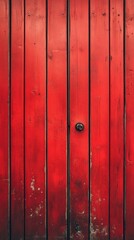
<point>17,120</point>
<point>129,119</point>
<point>99,134</point>
<point>35,115</point>
<point>79,110</point>
<point>35,131</point>
<point>116,119</point>
<point>4,101</point>
<point>57,119</point>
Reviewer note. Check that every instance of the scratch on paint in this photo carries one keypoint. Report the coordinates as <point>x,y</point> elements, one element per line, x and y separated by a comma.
<point>81,213</point>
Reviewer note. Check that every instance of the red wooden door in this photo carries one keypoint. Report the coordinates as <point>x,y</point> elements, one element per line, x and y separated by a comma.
<point>66,119</point>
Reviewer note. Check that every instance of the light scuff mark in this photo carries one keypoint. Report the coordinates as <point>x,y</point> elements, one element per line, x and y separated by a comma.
<point>32,185</point>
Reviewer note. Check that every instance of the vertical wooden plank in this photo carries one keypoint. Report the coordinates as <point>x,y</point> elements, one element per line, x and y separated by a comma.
<point>57,119</point>
<point>129,119</point>
<point>35,97</point>
<point>99,77</point>
<point>116,119</point>
<point>4,18</point>
<point>17,120</point>
<point>79,89</point>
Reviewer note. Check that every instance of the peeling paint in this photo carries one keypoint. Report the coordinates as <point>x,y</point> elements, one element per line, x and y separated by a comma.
<point>91,195</point>
<point>33,184</point>
<point>37,210</point>
<point>79,235</point>
<point>97,230</point>
<point>81,213</point>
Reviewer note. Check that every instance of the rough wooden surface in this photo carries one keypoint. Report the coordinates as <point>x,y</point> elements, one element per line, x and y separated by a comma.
<point>57,119</point>
<point>99,115</point>
<point>17,120</point>
<point>35,115</point>
<point>79,112</point>
<point>46,47</point>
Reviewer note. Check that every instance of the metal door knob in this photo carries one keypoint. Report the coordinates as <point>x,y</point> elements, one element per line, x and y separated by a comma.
<point>79,127</point>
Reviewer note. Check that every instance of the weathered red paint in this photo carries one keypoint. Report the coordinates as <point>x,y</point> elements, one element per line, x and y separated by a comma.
<point>17,120</point>
<point>4,114</point>
<point>99,128</point>
<point>57,119</point>
<point>129,75</point>
<point>46,48</point>
<point>35,115</point>
<point>79,112</point>
<point>116,119</point>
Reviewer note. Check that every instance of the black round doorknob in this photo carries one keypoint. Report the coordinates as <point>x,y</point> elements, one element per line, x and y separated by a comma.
<point>79,127</point>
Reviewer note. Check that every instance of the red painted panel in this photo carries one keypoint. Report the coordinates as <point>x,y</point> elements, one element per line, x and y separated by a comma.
<point>116,119</point>
<point>99,77</point>
<point>129,119</point>
<point>79,109</point>
<point>57,119</point>
<point>4,94</point>
<point>35,112</point>
<point>28,119</point>
<point>17,120</point>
